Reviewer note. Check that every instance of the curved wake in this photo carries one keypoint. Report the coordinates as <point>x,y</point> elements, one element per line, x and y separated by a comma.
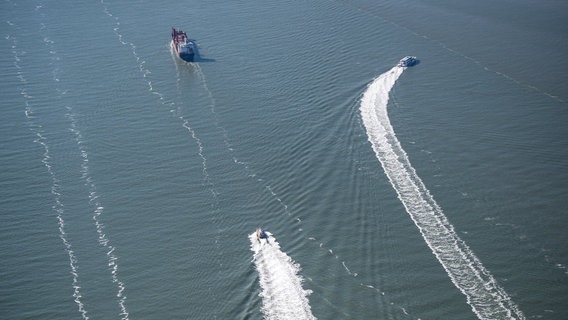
<point>486,298</point>
<point>282,294</point>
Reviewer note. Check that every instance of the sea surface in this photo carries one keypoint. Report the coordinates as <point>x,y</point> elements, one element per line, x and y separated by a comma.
<point>131,182</point>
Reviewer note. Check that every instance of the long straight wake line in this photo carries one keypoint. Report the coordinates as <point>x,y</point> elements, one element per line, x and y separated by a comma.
<point>486,298</point>
<point>58,207</point>
<point>146,75</point>
<point>98,211</point>
<point>93,197</point>
<point>225,134</point>
<point>215,208</point>
<point>186,125</point>
<point>249,172</point>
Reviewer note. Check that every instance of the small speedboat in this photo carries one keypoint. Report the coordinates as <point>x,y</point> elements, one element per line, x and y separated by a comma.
<point>260,234</point>
<point>408,61</point>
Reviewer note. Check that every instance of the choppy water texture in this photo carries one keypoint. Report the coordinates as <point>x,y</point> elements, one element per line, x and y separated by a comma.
<point>131,181</point>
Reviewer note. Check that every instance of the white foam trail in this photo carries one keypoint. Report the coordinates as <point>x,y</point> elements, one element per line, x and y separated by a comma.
<point>247,168</point>
<point>145,72</point>
<point>146,75</point>
<point>225,134</point>
<point>58,207</point>
<point>97,212</point>
<point>253,175</point>
<point>93,197</point>
<point>283,297</point>
<point>186,124</point>
<point>486,298</point>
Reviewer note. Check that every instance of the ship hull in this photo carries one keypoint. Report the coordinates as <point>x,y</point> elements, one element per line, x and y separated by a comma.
<point>186,57</point>
<point>182,56</point>
<point>182,46</point>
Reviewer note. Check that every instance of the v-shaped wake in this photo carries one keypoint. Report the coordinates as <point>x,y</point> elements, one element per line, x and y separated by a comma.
<point>283,297</point>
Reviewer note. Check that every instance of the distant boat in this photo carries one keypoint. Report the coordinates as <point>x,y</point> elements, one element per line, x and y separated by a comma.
<point>182,45</point>
<point>260,234</point>
<point>408,61</point>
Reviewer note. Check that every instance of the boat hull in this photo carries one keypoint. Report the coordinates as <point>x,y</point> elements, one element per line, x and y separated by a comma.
<point>182,46</point>
<point>187,57</point>
<point>408,61</point>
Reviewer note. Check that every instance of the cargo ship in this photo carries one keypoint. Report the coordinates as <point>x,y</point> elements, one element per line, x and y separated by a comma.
<point>183,47</point>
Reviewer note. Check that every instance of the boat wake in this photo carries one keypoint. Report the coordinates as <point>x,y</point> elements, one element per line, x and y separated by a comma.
<point>97,213</point>
<point>185,123</point>
<point>56,191</point>
<point>486,298</point>
<point>57,188</point>
<point>58,205</point>
<point>251,173</point>
<point>282,294</point>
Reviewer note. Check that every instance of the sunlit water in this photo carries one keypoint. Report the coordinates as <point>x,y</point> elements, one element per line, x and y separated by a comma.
<point>131,181</point>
